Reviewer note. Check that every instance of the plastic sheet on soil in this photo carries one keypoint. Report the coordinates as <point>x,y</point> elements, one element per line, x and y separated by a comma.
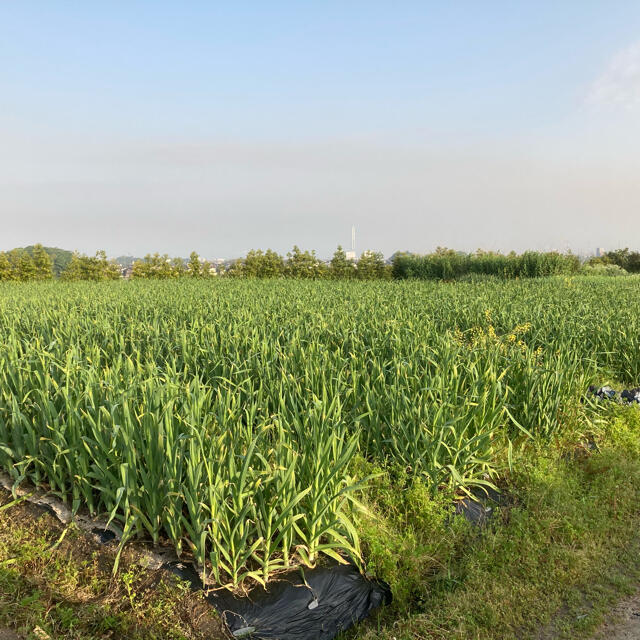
<point>314,604</point>
<point>479,509</point>
<point>626,396</point>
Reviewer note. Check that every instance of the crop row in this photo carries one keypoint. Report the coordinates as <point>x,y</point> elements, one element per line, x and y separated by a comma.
<point>223,416</point>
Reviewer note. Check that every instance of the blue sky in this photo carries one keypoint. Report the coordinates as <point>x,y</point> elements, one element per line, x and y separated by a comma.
<point>142,126</point>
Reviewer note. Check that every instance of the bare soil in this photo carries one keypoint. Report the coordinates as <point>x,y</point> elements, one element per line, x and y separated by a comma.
<point>623,623</point>
<point>90,565</point>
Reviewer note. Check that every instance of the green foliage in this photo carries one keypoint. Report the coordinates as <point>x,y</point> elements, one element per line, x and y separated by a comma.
<point>6,269</point>
<point>36,262</point>
<point>252,266</point>
<point>371,266</point>
<point>162,267</point>
<point>304,264</point>
<point>602,269</point>
<point>552,561</point>
<point>178,268</point>
<point>272,264</point>
<point>623,258</point>
<point>55,582</point>
<point>126,261</point>
<point>209,270</point>
<point>60,257</point>
<point>42,263</point>
<point>340,267</point>
<point>154,266</point>
<point>406,532</point>
<point>263,265</point>
<point>224,415</point>
<point>95,268</point>
<point>447,264</point>
<point>235,269</point>
<point>194,268</point>
<point>13,257</point>
<point>269,264</point>
<point>25,267</point>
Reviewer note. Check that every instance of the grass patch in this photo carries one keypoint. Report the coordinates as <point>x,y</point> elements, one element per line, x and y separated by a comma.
<point>548,567</point>
<point>54,586</point>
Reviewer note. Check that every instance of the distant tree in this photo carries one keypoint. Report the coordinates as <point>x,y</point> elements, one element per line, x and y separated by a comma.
<point>42,263</point>
<point>153,266</point>
<point>96,268</point>
<point>6,271</point>
<point>60,257</point>
<point>140,269</point>
<point>178,268</point>
<point>235,268</point>
<point>403,265</point>
<point>75,269</point>
<point>340,267</point>
<point>208,269</point>
<point>633,262</point>
<point>272,264</point>
<point>303,264</point>
<point>623,258</point>
<point>259,264</point>
<point>14,259</point>
<point>321,270</point>
<point>619,257</point>
<point>164,268</point>
<point>253,264</point>
<point>371,266</point>
<point>194,268</point>
<point>26,267</point>
<point>110,268</point>
<point>256,264</point>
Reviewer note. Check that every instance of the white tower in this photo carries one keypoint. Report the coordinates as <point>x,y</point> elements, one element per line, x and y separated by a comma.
<point>351,255</point>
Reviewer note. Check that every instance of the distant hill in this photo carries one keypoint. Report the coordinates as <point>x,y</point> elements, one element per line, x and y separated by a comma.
<point>61,257</point>
<point>126,261</point>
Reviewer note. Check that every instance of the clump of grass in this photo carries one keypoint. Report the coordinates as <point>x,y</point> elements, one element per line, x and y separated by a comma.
<point>549,566</point>
<point>62,587</point>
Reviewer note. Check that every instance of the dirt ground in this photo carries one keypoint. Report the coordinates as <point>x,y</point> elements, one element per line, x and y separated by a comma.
<point>623,623</point>
<point>75,573</point>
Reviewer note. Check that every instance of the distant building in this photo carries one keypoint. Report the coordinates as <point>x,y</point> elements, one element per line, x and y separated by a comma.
<point>350,255</point>
<point>600,252</point>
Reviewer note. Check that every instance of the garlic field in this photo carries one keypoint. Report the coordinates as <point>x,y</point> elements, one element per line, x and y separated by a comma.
<point>223,417</point>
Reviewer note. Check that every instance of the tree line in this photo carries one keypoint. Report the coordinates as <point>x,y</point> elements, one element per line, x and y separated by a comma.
<point>23,265</point>
<point>36,263</point>
<point>268,264</point>
<point>623,258</point>
<point>307,265</point>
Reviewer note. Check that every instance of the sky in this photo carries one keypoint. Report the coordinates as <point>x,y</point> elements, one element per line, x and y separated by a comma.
<point>142,126</point>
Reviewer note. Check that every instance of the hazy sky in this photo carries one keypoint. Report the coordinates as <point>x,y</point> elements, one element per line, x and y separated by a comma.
<point>224,126</point>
